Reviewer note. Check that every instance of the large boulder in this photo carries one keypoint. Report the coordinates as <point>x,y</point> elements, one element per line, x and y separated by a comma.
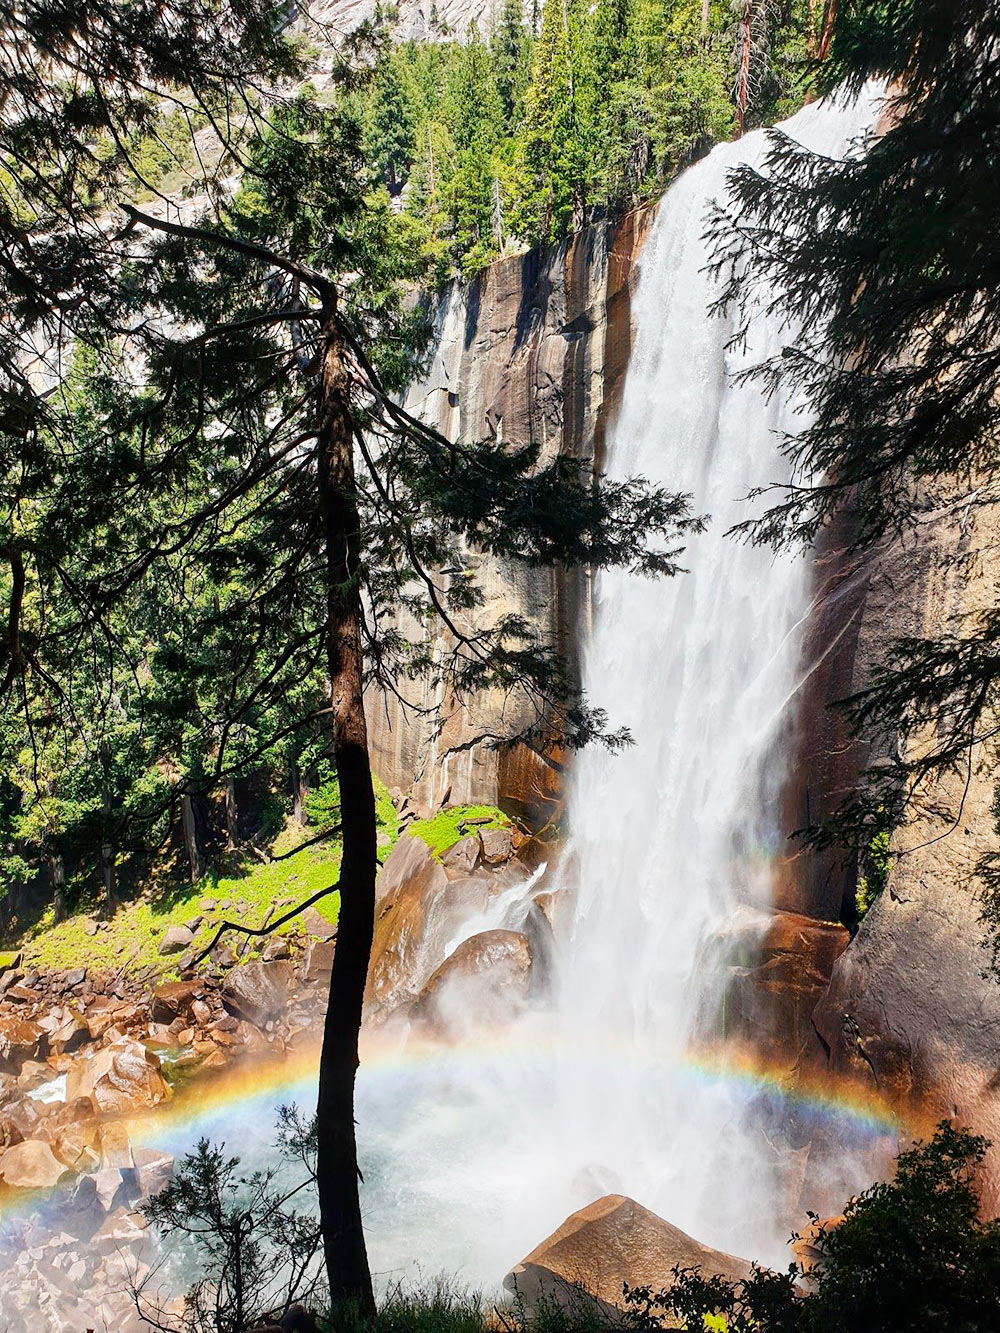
<point>258,991</point>
<point>175,940</point>
<point>586,1261</point>
<point>411,866</point>
<point>31,1165</point>
<point>414,927</point>
<point>174,999</point>
<point>488,975</point>
<point>118,1079</point>
<point>20,1040</point>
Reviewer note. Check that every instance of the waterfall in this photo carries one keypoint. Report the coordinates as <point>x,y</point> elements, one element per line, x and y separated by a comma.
<point>477,1153</point>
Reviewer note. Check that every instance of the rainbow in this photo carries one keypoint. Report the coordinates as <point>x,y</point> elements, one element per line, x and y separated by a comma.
<point>210,1106</point>
<point>219,1107</point>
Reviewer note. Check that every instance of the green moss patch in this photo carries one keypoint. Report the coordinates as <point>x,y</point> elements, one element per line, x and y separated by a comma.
<point>449,826</point>
<point>131,938</point>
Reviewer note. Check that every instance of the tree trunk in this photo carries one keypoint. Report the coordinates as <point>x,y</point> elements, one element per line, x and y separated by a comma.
<point>57,879</point>
<point>337,1164</point>
<point>744,48</point>
<point>232,814</point>
<point>190,837</point>
<point>829,19</point>
<point>299,790</point>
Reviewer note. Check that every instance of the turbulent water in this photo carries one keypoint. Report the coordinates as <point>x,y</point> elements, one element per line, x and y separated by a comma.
<point>474,1156</point>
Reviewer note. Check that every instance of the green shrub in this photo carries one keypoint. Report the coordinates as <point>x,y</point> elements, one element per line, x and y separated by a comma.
<point>875,871</point>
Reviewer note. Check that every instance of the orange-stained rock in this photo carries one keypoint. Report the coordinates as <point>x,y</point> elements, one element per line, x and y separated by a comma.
<point>20,1040</point>
<point>120,1078</point>
<point>410,866</point>
<point>532,785</point>
<point>782,969</point>
<point>612,1241</point>
<point>31,1165</point>
<point>804,1243</point>
<point>414,922</point>
<point>488,976</point>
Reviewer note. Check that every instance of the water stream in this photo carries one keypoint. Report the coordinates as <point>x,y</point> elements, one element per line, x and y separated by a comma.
<point>475,1154</point>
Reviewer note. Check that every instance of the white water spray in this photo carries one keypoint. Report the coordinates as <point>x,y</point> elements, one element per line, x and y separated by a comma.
<point>479,1154</point>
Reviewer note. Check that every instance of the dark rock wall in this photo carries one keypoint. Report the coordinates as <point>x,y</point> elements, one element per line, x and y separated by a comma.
<point>534,349</point>
<point>909,1012</point>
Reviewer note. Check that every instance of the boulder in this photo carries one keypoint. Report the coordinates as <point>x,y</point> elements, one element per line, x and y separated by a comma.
<point>498,845</point>
<point>319,961</point>
<point>414,926</point>
<point>174,999</point>
<point>555,907</point>
<point>153,1170</point>
<point>114,1146</point>
<point>257,991</point>
<point>614,1240</point>
<point>70,1035</point>
<point>463,857</point>
<point>110,1187</point>
<point>120,1078</point>
<point>10,961</point>
<point>68,1145</point>
<point>31,1165</point>
<point>20,1040</point>
<point>315,925</point>
<point>488,974</point>
<point>175,940</point>
<point>410,866</point>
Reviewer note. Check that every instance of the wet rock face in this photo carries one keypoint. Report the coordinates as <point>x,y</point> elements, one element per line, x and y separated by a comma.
<point>908,1011</point>
<point>488,976</point>
<point>534,349</point>
<point>789,960</point>
<point>612,1241</point>
<point>422,949</point>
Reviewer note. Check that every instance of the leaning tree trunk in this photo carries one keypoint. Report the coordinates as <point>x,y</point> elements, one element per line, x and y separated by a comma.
<point>337,1166</point>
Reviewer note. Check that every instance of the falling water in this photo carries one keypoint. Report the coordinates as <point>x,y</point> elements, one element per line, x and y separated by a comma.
<point>478,1154</point>
<point>474,1152</point>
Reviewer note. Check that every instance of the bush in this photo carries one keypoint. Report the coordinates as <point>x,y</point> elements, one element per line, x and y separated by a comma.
<point>911,1255</point>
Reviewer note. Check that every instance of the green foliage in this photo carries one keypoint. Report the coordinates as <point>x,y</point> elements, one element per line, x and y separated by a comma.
<point>449,826</point>
<point>254,1237</point>
<point>875,872</point>
<point>516,136</point>
<point>910,1254</point>
<point>131,936</point>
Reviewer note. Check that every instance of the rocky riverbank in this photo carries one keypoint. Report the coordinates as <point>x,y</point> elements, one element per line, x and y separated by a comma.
<point>86,1054</point>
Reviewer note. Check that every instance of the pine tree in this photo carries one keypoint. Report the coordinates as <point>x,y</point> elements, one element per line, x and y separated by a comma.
<point>889,262</point>
<point>251,359</point>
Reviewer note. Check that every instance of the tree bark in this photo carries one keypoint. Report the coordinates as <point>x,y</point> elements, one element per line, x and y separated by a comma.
<point>190,831</point>
<point>829,20</point>
<point>744,48</point>
<point>337,1164</point>
<point>232,814</point>
<point>57,879</point>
